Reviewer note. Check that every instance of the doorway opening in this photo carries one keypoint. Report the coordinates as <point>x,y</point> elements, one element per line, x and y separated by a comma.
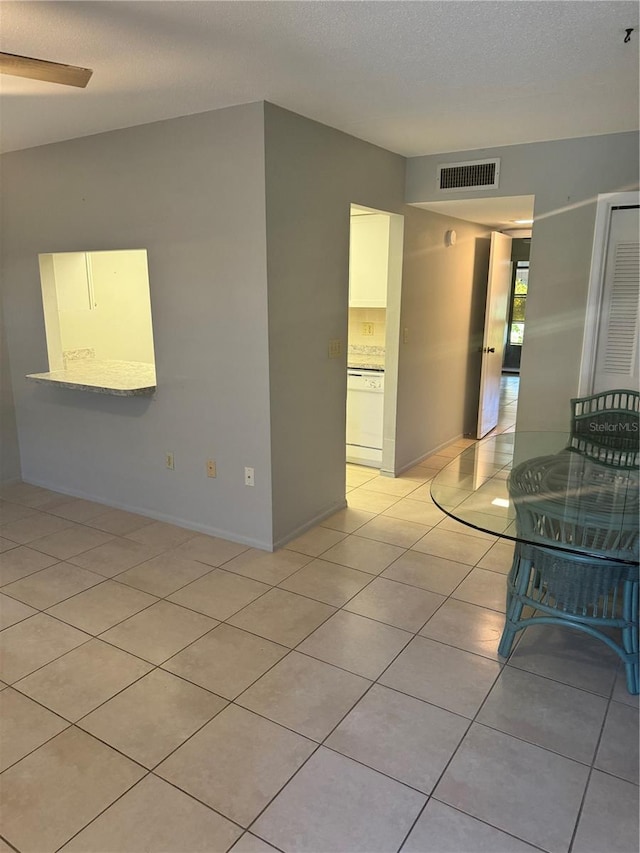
<point>520,250</point>
<point>508,219</point>
<point>375,281</point>
<point>508,411</point>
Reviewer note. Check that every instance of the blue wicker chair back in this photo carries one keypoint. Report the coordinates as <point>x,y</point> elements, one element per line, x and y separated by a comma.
<point>606,427</point>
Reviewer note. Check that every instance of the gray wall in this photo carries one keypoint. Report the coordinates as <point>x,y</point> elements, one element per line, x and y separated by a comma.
<point>565,176</point>
<point>244,213</point>
<point>313,173</point>
<point>443,300</point>
<point>9,450</point>
<point>191,192</point>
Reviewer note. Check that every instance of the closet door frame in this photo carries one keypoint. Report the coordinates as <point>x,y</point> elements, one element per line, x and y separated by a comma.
<point>604,206</point>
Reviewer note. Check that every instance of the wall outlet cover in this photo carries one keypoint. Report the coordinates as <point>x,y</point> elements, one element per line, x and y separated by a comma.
<point>335,348</point>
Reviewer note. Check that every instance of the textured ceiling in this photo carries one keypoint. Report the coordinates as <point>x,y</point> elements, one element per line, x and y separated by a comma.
<point>413,77</point>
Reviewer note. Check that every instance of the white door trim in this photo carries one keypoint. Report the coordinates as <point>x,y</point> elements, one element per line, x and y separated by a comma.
<point>604,205</point>
<point>499,281</point>
<point>392,345</point>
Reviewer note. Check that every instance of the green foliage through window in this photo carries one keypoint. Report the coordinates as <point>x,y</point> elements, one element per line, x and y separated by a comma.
<point>519,301</point>
<point>518,309</point>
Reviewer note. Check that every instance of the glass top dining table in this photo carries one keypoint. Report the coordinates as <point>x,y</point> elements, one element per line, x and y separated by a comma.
<point>529,487</point>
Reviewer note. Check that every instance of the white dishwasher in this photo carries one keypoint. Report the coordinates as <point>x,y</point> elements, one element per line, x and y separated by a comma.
<point>365,405</point>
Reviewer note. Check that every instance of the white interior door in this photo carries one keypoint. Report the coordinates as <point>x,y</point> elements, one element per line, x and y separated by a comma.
<point>616,361</point>
<point>495,327</point>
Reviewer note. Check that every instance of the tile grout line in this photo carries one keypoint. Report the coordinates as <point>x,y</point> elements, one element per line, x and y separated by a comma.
<point>328,735</point>
<point>295,648</point>
<point>592,766</point>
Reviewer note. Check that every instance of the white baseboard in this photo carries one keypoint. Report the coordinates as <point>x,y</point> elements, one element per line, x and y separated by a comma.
<point>424,456</point>
<point>370,456</point>
<point>309,524</point>
<point>157,516</point>
<point>11,481</point>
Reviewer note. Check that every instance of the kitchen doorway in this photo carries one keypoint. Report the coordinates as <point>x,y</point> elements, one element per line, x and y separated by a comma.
<point>375,284</point>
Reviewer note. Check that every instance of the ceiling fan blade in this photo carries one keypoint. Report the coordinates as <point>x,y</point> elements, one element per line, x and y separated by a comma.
<point>41,69</point>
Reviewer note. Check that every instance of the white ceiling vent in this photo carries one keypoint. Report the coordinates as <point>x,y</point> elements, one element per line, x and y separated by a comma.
<point>470,175</point>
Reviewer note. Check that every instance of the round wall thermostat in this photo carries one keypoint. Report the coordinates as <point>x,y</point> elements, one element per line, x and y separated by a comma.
<point>450,238</point>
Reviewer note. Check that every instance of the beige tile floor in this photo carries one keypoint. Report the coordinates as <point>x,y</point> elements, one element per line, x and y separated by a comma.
<point>170,692</point>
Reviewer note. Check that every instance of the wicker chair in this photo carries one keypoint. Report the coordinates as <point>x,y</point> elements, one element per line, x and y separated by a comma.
<point>565,587</point>
<point>606,427</point>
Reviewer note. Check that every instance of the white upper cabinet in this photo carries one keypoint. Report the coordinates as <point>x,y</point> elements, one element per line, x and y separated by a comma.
<point>368,261</point>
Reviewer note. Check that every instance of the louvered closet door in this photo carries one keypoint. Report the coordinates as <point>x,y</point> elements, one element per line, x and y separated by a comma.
<point>617,349</point>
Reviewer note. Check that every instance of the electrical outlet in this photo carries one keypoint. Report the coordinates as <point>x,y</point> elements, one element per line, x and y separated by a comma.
<point>249,477</point>
<point>335,348</point>
<point>169,461</point>
<point>211,468</point>
<point>367,329</point>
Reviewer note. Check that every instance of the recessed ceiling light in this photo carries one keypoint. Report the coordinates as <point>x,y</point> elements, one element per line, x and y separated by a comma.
<point>523,221</point>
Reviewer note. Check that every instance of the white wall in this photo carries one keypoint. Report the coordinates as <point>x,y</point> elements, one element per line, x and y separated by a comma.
<point>119,325</point>
<point>121,287</point>
<point>96,305</point>
<point>191,192</point>
<point>70,281</point>
<point>375,316</point>
<point>565,176</point>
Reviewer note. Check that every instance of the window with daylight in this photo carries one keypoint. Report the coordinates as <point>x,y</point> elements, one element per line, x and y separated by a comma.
<point>519,303</point>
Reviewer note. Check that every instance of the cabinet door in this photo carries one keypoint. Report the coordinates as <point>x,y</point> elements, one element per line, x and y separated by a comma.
<point>368,261</point>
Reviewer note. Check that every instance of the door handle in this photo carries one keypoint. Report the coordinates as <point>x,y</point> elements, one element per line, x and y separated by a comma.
<point>487,349</point>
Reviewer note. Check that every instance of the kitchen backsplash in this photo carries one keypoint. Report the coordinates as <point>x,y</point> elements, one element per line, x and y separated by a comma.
<point>363,321</point>
<point>364,349</point>
<point>73,356</point>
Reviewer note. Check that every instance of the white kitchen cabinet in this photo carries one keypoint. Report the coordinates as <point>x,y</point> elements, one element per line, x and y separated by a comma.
<point>368,261</point>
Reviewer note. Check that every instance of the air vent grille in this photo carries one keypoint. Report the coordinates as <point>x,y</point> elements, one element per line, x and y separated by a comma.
<point>471,175</point>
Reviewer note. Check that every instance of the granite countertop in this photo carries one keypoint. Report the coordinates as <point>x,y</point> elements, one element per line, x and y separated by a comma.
<point>119,378</point>
<point>365,357</point>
